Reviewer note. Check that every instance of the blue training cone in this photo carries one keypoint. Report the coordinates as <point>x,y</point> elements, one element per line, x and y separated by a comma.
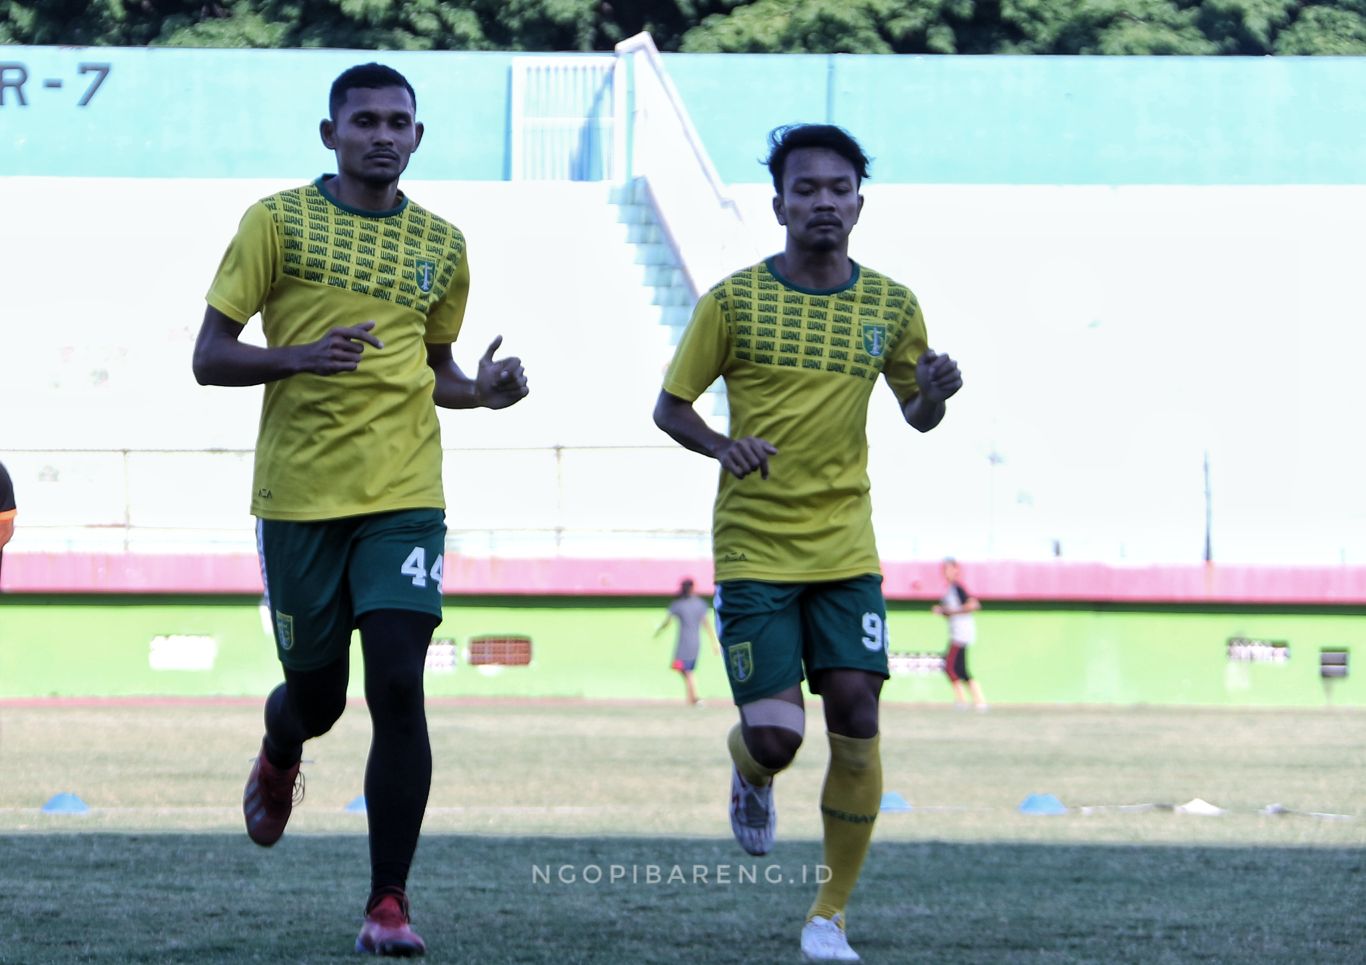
<point>892,801</point>
<point>65,803</point>
<point>357,805</point>
<point>1042,804</point>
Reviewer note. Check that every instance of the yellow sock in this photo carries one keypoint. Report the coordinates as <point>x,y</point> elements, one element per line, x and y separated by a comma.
<point>850,802</point>
<point>750,769</point>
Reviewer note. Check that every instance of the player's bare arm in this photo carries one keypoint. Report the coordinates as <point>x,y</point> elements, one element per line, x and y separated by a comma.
<point>221,358</point>
<point>497,383</point>
<point>938,378</point>
<point>739,457</point>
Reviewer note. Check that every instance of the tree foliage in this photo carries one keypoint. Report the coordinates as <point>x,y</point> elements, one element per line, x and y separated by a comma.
<point>1243,27</point>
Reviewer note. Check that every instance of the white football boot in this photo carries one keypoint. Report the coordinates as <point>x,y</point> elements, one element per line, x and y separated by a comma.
<point>753,818</point>
<point>823,941</point>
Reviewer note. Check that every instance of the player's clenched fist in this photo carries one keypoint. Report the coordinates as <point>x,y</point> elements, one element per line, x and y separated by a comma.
<point>339,350</point>
<point>937,375</point>
<point>742,456</point>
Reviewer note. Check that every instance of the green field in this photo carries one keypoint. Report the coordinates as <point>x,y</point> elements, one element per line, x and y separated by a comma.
<point>542,813</point>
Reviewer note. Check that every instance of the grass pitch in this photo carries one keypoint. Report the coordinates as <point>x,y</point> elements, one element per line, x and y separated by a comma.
<point>593,832</point>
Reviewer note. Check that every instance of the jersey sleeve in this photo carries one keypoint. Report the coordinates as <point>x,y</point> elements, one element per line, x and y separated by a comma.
<point>249,267</point>
<point>448,314</point>
<point>6,495</point>
<point>899,369</point>
<point>702,352</point>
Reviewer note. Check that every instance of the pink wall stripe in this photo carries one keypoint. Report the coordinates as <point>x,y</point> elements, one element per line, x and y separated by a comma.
<point>1047,581</point>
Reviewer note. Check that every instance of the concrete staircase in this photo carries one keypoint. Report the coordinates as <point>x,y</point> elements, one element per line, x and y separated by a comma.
<point>671,298</point>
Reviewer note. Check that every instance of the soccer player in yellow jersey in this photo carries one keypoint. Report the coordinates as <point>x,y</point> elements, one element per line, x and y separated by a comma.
<point>800,340</point>
<point>361,293</point>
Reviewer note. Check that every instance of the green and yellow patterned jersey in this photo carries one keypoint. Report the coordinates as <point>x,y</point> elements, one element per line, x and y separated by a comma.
<point>799,367</point>
<point>357,442</point>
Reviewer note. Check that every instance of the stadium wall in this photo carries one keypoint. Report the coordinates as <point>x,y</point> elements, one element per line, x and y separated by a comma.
<point>1112,337</point>
<point>1285,128</point>
<point>471,576</point>
<point>604,650</point>
<point>1203,210</point>
<point>164,112</point>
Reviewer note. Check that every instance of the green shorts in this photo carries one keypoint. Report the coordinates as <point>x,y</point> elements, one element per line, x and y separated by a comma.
<point>771,631</point>
<point>321,576</point>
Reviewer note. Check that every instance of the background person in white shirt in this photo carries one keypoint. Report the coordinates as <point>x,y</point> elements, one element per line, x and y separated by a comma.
<point>957,606</point>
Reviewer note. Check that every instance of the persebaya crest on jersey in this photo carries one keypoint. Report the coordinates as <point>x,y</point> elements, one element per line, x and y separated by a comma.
<point>740,659</point>
<point>426,274</point>
<point>874,338</point>
<point>284,626</point>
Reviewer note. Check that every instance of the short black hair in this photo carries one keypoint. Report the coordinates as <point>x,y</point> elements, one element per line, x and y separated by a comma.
<point>368,77</point>
<point>782,141</point>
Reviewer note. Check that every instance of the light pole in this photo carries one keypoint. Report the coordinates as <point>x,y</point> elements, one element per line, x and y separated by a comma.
<point>994,459</point>
<point>1209,515</point>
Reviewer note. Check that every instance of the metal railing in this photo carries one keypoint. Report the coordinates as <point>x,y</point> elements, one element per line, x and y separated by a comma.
<point>567,118</point>
<point>620,117</point>
<point>702,221</point>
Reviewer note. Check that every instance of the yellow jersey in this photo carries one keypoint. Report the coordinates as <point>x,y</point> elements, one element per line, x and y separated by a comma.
<point>799,366</point>
<point>357,442</point>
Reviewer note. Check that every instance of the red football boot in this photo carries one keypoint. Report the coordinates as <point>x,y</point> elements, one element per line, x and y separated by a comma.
<point>386,930</point>
<point>270,795</point>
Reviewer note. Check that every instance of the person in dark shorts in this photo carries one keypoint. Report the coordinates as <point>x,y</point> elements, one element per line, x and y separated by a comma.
<point>361,293</point>
<point>957,607</point>
<point>800,340</point>
<point>690,611</point>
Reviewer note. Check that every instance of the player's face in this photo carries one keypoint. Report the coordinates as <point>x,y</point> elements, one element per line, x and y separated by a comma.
<point>374,134</point>
<point>950,571</point>
<point>820,201</point>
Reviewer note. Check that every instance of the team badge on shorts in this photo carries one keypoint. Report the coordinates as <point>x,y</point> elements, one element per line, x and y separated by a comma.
<point>426,274</point>
<point>284,630</point>
<point>740,661</point>
<point>874,339</point>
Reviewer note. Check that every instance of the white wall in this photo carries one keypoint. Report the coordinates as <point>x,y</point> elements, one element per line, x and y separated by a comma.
<point>1108,337</point>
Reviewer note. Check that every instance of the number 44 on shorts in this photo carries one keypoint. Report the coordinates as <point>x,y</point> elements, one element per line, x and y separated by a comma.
<point>416,567</point>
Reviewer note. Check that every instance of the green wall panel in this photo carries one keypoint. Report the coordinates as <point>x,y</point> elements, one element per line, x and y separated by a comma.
<point>57,647</point>
<point>194,113</point>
